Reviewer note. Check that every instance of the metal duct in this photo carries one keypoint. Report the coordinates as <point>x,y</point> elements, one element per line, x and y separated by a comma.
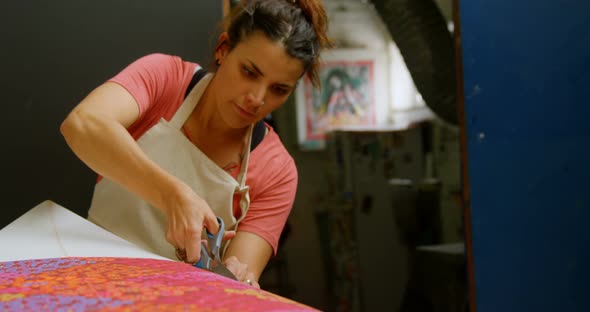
<point>421,34</point>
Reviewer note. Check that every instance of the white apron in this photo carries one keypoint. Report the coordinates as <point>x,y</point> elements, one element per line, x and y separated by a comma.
<point>132,218</point>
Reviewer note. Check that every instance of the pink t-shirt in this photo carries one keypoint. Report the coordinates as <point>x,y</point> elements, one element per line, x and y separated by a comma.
<point>158,83</point>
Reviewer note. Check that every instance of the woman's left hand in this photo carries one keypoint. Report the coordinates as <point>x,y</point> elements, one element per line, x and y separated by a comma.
<point>241,272</point>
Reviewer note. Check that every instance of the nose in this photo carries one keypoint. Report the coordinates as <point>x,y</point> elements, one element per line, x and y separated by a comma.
<point>256,96</point>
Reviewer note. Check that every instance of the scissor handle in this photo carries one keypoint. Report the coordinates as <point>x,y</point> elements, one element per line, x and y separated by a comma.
<point>205,260</point>
<point>214,242</point>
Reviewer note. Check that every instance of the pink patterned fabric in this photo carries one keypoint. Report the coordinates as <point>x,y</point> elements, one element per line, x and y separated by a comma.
<point>127,284</point>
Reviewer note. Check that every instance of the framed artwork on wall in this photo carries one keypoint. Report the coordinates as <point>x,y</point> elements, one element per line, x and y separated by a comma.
<point>347,98</point>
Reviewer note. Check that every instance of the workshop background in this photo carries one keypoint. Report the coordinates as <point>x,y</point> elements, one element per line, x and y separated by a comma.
<point>481,119</point>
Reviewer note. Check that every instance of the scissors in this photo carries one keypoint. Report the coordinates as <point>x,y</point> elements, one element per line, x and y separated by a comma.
<point>210,258</point>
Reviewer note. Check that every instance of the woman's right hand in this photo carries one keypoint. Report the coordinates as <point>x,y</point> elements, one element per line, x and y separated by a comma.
<point>187,214</point>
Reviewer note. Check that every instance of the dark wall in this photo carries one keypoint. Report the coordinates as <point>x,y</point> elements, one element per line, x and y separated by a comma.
<point>53,53</point>
<point>526,66</point>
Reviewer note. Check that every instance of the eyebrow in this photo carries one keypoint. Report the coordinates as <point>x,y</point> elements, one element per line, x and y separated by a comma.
<point>258,71</point>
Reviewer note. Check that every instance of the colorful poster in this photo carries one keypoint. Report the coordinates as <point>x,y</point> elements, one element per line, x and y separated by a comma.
<point>346,97</point>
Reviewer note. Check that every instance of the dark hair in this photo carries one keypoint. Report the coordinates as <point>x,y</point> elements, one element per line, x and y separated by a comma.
<point>300,25</point>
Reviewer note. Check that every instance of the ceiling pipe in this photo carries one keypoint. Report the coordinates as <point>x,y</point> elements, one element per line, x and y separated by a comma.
<point>420,31</point>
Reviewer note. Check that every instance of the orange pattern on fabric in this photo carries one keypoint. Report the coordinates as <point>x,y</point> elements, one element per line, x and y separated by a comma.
<point>127,284</point>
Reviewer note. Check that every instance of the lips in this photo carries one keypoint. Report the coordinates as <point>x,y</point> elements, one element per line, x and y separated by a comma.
<point>244,113</point>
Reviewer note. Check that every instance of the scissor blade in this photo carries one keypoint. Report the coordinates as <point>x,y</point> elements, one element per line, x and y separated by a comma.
<point>223,271</point>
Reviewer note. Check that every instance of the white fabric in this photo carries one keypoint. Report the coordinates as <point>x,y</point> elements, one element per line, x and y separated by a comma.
<point>49,230</point>
<point>130,217</point>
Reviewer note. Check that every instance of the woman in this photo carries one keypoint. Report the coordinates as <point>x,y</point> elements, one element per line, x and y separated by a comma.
<point>168,165</point>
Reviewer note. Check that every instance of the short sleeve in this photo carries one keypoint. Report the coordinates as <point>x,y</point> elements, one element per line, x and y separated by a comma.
<point>156,81</point>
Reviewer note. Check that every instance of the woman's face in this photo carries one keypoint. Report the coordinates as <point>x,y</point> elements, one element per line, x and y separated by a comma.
<point>253,79</point>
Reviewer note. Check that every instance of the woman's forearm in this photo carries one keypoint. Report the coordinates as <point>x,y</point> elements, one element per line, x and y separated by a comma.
<point>105,146</point>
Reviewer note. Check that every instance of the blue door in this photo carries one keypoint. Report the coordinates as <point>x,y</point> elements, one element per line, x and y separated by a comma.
<point>526,99</point>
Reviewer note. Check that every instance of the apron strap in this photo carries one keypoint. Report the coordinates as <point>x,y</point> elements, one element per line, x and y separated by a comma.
<point>197,76</point>
<point>244,165</point>
<point>258,134</point>
<point>187,107</point>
